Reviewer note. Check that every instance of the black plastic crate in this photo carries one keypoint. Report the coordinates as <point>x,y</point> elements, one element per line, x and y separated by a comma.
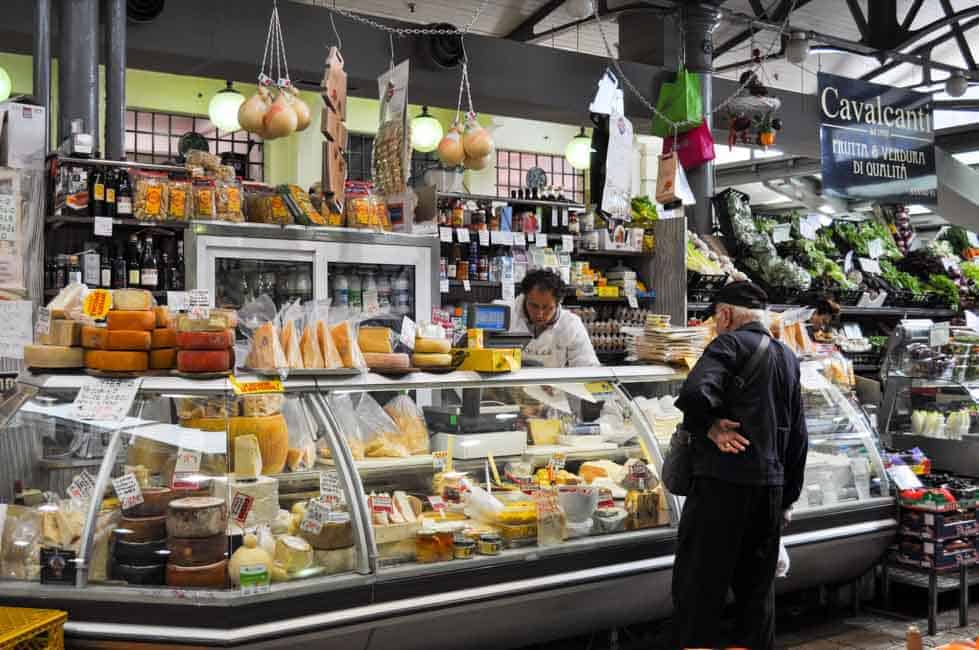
<point>848,297</point>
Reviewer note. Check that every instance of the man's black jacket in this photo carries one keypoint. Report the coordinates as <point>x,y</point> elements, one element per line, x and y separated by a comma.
<point>769,410</point>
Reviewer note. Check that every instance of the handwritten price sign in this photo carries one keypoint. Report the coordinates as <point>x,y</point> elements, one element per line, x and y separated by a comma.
<point>97,303</point>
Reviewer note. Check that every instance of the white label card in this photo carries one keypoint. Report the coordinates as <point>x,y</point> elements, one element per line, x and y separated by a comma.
<point>462,234</point>
<point>876,248</point>
<point>971,320</point>
<point>484,237</point>
<point>17,317</point>
<point>531,236</point>
<point>445,235</point>
<point>519,240</point>
<point>848,262</point>
<point>81,486</point>
<point>852,330</point>
<point>330,490</point>
<point>509,292</point>
<point>807,229</point>
<point>177,301</point>
<point>541,241</point>
<point>127,489</point>
<point>633,302</point>
<point>199,303</point>
<point>408,330</point>
<point>466,286</point>
<point>939,335</point>
<point>103,226</point>
<point>443,286</point>
<point>43,325</point>
<point>317,514</point>
<point>106,399</point>
<point>782,232</point>
<point>973,239</point>
<point>903,477</point>
<point>188,461</point>
<point>868,265</point>
<point>567,243</point>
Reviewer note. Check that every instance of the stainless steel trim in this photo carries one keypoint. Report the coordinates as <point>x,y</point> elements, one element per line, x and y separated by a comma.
<point>102,162</point>
<point>827,534</point>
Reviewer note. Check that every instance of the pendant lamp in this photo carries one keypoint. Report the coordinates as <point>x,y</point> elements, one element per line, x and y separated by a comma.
<point>223,109</point>
<point>426,132</point>
<point>578,151</point>
<point>5,85</point>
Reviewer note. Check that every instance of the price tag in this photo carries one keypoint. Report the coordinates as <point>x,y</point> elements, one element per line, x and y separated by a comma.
<point>868,265</point>
<point>103,226</point>
<point>241,505</point>
<point>462,234</point>
<point>519,240</point>
<point>127,489</point>
<point>973,239</point>
<point>556,462</point>
<point>484,237</point>
<point>807,229</point>
<point>177,301</point>
<point>97,303</point>
<point>445,235</point>
<point>567,243</point>
<point>254,579</point>
<point>199,303</point>
<point>317,514</point>
<point>916,243</point>
<point>408,330</point>
<point>939,335</point>
<point>876,249</point>
<point>330,491</point>
<point>852,330</point>
<point>443,286</point>
<point>541,241</point>
<point>509,292</point>
<point>903,477</point>
<point>81,487</point>
<point>782,232</point>
<point>506,238</point>
<point>496,237</point>
<point>605,499</point>
<point>438,504</point>
<point>43,325</point>
<point>381,503</point>
<point>633,301</point>
<point>848,262</point>
<point>188,461</point>
<point>466,286</point>
<point>971,320</point>
<point>17,317</point>
<point>825,220</point>
<point>106,399</point>
<point>255,387</point>
<point>439,459</point>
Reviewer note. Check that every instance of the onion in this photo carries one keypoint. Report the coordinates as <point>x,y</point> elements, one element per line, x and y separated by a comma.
<point>477,164</point>
<point>252,111</point>
<point>280,120</point>
<point>477,142</point>
<point>303,116</point>
<point>451,151</point>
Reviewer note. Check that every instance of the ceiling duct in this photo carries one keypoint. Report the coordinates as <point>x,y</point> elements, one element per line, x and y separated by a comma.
<point>144,11</point>
<point>445,49</point>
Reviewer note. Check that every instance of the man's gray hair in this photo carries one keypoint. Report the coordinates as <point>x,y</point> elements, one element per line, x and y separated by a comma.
<point>743,315</point>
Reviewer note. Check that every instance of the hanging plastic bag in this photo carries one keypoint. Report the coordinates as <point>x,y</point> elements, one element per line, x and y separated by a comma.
<point>342,407</point>
<point>379,431</point>
<point>782,566</point>
<point>411,424</point>
<point>289,318</point>
<point>694,148</point>
<point>679,101</point>
<point>260,323</point>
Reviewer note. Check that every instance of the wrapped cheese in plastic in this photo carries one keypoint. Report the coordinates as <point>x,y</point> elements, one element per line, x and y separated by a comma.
<point>413,433</point>
<point>331,356</point>
<point>342,405</point>
<point>379,432</point>
<point>345,338</point>
<point>290,345</point>
<point>265,347</point>
<point>310,347</point>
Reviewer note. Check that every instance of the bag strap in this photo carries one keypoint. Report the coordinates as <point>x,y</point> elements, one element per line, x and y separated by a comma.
<point>749,370</point>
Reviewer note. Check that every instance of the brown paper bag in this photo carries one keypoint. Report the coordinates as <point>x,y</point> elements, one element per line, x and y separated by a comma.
<point>666,179</point>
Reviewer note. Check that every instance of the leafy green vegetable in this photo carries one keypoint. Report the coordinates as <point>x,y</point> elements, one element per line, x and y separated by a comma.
<point>971,271</point>
<point>643,211</point>
<point>900,279</point>
<point>859,235</point>
<point>808,254</point>
<point>944,285</point>
<point>957,238</point>
<point>941,248</point>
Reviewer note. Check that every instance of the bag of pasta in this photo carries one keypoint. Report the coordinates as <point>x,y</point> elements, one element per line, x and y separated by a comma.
<point>152,196</point>
<point>181,201</point>
<point>205,208</point>
<point>411,424</point>
<point>228,201</point>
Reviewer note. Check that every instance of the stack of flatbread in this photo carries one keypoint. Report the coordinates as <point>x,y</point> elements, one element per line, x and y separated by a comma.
<point>671,344</point>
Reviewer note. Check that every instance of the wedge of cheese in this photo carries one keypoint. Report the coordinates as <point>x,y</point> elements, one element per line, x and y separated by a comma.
<point>248,457</point>
<point>266,351</point>
<point>62,332</point>
<point>331,357</point>
<point>310,348</point>
<point>290,345</point>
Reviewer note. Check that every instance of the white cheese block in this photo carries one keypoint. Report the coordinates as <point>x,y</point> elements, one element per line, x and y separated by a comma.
<point>63,332</point>
<point>264,490</point>
<point>248,457</point>
<point>293,553</point>
<point>339,561</point>
<point>68,299</point>
<point>53,356</point>
<point>132,299</point>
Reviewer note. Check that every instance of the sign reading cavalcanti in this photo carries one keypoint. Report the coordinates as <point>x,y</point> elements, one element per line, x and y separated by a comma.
<point>877,142</point>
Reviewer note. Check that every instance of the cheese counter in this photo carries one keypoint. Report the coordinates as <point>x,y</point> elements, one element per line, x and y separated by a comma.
<point>371,508</point>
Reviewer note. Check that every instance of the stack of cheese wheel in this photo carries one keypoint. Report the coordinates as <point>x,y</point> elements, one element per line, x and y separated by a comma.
<point>60,348</point>
<point>333,546</point>
<point>205,345</point>
<point>139,551</point>
<point>197,542</point>
<point>163,341</point>
<point>124,344</point>
<point>378,345</point>
<point>432,349</point>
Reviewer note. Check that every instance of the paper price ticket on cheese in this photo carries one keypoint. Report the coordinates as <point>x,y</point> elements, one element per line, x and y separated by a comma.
<point>106,399</point>
<point>316,516</point>
<point>127,489</point>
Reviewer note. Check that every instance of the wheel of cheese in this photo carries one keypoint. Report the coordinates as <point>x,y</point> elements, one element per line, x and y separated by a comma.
<point>142,529</point>
<point>163,359</point>
<point>333,535</point>
<point>210,575</point>
<point>53,356</point>
<point>62,332</point>
<point>163,337</point>
<point>117,361</point>
<point>206,340</point>
<point>197,551</point>
<point>163,317</point>
<point>386,360</point>
<point>127,340</point>
<point>155,502</point>
<point>273,439</point>
<point>139,553</point>
<point>205,424</point>
<point>432,346</point>
<point>421,360</point>
<point>196,517</point>
<point>93,337</point>
<point>132,299</point>
<point>151,574</point>
<point>204,360</point>
<point>131,320</point>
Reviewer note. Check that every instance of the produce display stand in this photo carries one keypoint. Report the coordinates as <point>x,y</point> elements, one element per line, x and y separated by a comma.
<point>935,581</point>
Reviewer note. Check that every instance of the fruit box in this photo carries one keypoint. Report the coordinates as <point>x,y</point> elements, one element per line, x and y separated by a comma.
<point>939,525</point>
<point>938,555</point>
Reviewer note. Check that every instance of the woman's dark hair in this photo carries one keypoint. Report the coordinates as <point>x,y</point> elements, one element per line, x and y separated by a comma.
<point>825,305</point>
<point>544,280</point>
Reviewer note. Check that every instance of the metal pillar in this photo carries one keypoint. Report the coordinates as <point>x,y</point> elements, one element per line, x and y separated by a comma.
<point>78,66</point>
<point>42,64</point>
<point>699,23</point>
<point>115,78</point>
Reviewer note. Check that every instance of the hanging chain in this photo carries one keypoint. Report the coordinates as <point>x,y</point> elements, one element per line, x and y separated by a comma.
<point>411,31</point>
<point>282,45</point>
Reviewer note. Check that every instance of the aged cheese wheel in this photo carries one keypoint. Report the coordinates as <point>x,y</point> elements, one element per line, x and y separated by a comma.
<point>267,404</point>
<point>204,360</point>
<point>93,337</point>
<point>142,529</point>
<point>386,360</point>
<point>293,553</point>
<point>336,561</point>
<point>273,438</point>
<point>421,359</point>
<point>127,340</point>
<point>210,575</point>
<point>432,346</point>
<point>196,517</point>
<point>117,361</point>
<point>376,339</point>
<point>151,574</point>
<point>206,340</point>
<point>163,359</point>
<point>264,491</point>
<point>131,320</point>
<point>163,317</point>
<point>198,551</point>
<point>62,332</point>
<point>53,356</point>
<point>139,553</point>
<point>155,502</point>
<point>216,322</point>
<point>333,535</point>
<point>131,299</point>
<point>163,337</point>
<point>205,424</point>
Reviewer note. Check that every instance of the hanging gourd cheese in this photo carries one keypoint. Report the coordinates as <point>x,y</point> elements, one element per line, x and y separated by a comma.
<point>205,340</point>
<point>163,337</point>
<point>204,360</point>
<point>273,438</point>
<point>117,360</point>
<point>131,320</point>
<point>163,359</point>
<point>127,340</point>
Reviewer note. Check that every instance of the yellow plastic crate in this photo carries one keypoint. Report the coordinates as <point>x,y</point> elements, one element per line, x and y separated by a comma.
<point>22,628</point>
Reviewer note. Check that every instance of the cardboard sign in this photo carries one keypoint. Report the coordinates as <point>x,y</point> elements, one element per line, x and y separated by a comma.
<point>106,399</point>
<point>127,490</point>
<point>17,317</point>
<point>255,387</point>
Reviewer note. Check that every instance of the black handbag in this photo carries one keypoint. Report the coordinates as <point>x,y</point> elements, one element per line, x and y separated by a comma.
<point>678,464</point>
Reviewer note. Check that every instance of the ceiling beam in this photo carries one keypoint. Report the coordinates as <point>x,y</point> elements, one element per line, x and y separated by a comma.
<point>758,9</point>
<point>921,50</point>
<point>964,48</point>
<point>858,19</point>
<point>777,16</point>
<point>525,30</point>
<point>911,15</point>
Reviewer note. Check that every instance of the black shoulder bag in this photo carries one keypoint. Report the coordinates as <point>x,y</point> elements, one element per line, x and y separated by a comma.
<point>678,464</point>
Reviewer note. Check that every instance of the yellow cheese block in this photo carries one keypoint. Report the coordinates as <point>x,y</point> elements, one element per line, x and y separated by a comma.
<point>63,332</point>
<point>93,337</point>
<point>432,346</point>
<point>117,360</point>
<point>273,438</point>
<point>132,299</point>
<point>53,356</point>
<point>376,340</point>
<point>205,423</point>
<point>421,359</point>
<point>131,320</point>
<point>293,553</point>
<point>248,457</point>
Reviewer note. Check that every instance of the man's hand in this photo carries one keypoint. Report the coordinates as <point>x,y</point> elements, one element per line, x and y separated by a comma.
<point>786,517</point>
<point>725,436</point>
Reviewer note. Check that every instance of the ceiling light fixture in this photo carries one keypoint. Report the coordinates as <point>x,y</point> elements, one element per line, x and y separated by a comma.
<point>5,85</point>
<point>579,9</point>
<point>223,109</point>
<point>426,132</point>
<point>956,84</point>
<point>797,48</point>
<point>578,151</point>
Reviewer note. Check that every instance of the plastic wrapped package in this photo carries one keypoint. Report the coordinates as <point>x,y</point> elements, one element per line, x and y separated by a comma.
<point>258,318</point>
<point>226,173</point>
<point>411,424</point>
<point>228,201</point>
<point>205,159</point>
<point>302,447</point>
<point>310,348</point>
<point>359,205</point>
<point>343,407</point>
<point>151,196</point>
<point>205,208</point>
<point>380,434</point>
<point>263,204</point>
<point>300,205</point>
<point>20,544</point>
<point>290,319</point>
<point>331,356</point>
<point>181,206</point>
<point>344,336</point>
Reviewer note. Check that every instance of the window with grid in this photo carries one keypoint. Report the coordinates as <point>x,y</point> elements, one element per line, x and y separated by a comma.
<point>358,155</point>
<point>512,168</point>
<point>154,137</point>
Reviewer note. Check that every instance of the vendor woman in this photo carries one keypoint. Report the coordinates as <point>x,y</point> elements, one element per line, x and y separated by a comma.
<point>559,338</point>
<point>825,315</point>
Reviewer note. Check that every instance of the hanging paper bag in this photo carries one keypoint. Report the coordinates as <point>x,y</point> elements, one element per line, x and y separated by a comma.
<point>693,147</point>
<point>679,101</point>
<point>666,178</point>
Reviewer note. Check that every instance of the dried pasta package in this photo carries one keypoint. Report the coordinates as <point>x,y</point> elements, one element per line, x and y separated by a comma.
<point>359,206</point>
<point>205,207</point>
<point>378,430</point>
<point>228,201</point>
<point>331,211</point>
<point>205,159</point>
<point>181,201</point>
<point>151,196</point>
<point>411,424</point>
<point>301,207</point>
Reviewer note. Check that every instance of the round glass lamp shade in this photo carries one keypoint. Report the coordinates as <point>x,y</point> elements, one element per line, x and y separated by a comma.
<point>5,85</point>
<point>426,132</point>
<point>578,151</point>
<point>223,109</point>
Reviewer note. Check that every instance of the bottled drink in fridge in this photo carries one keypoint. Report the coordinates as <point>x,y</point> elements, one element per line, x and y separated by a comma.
<point>149,267</point>
<point>133,260</point>
<point>124,195</point>
<point>120,279</point>
<point>341,291</point>
<point>370,298</point>
<point>356,296</point>
<point>383,293</point>
<point>402,294</point>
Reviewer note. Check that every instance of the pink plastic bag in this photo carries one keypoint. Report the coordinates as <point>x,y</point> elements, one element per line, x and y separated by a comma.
<point>694,148</point>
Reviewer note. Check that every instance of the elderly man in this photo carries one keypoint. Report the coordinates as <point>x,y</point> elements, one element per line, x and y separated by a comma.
<point>749,452</point>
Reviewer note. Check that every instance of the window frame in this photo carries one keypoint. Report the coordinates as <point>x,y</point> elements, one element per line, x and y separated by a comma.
<point>504,159</point>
